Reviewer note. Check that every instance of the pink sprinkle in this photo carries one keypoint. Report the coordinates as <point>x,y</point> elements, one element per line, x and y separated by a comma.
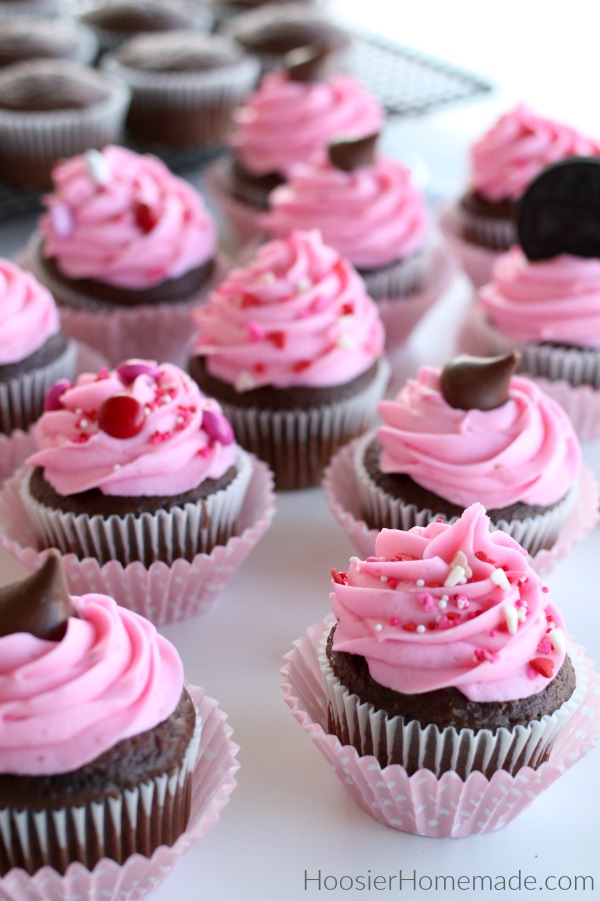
<point>427,602</point>
<point>492,633</point>
<point>482,655</point>
<point>81,438</point>
<point>255,331</point>
<point>159,437</point>
<point>519,603</point>
<point>545,646</point>
<point>545,589</point>
<point>394,620</point>
<point>372,560</point>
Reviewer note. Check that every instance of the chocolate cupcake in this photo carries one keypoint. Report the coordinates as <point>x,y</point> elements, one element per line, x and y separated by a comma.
<point>27,38</point>
<point>69,785</point>
<point>472,432</point>
<point>51,109</point>
<point>447,655</point>
<point>134,464</point>
<point>292,347</point>
<point>184,86</point>
<point>223,10</point>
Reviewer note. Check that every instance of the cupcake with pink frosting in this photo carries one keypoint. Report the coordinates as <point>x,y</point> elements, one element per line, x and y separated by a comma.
<point>34,353</point>
<point>294,113</point>
<point>471,432</point>
<point>127,249</point>
<point>291,346</point>
<point>71,784</point>
<point>446,654</point>
<point>134,464</point>
<point>368,208</point>
<point>503,162</point>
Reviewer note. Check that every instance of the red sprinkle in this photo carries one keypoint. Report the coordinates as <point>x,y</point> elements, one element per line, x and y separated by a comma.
<point>409,627</point>
<point>259,368</point>
<point>392,583</point>
<point>542,665</point>
<point>278,339</point>
<point>347,309</point>
<point>145,217</point>
<point>481,555</point>
<point>301,365</point>
<point>338,577</point>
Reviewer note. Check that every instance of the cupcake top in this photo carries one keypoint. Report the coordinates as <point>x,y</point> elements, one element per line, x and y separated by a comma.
<point>131,16</point>
<point>287,121</point>
<point>450,606</point>
<point>370,212</point>
<point>516,149</point>
<point>29,38</point>
<point>522,449</point>
<point>46,85</point>
<point>276,28</point>
<point>79,674</point>
<point>123,218</point>
<point>553,300</point>
<point>28,314</point>
<point>176,52</point>
<point>297,315</point>
<point>141,430</point>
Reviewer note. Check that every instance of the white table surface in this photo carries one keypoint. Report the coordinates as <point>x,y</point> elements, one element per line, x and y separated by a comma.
<point>289,816</point>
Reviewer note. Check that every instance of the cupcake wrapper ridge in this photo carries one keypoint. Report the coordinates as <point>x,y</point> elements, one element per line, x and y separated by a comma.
<point>22,398</point>
<point>161,593</point>
<point>242,222</point>
<point>477,262</point>
<point>423,804</point>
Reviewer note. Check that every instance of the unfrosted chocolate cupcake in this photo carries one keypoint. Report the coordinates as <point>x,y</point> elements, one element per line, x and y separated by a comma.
<point>27,38</point>
<point>137,756</point>
<point>184,84</point>
<point>51,109</point>
<point>224,10</point>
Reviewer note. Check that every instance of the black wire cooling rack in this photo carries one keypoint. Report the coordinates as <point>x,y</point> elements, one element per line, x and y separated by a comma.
<point>405,82</point>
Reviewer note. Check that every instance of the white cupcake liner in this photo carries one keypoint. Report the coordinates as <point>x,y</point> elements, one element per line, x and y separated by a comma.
<point>38,139</point>
<point>240,222</point>
<point>22,398</point>
<point>159,331</point>
<point>298,444</point>
<point>533,533</point>
<point>196,527</point>
<point>424,804</point>
<point>477,262</point>
<point>213,780</point>
<point>570,375</point>
<point>342,496</point>
<point>207,96</point>
<point>462,750</point>
<point>99,824</point>
<point>161,593</point>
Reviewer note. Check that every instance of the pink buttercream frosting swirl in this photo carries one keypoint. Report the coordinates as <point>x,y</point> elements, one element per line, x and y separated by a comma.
<point>492,634</point>
<point>373,215</point>
<point>555,300</point>
<point>63,703</point>
<point>286,121</point>
<point>183,437</point>
<point>125,219</point>
<point>506,159</point>
<point>297,315</point>
<point>28,314</point>
<point>524,450</point>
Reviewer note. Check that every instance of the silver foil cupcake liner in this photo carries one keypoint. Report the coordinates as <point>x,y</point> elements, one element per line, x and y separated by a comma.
<point>166,535</point>
<point>22,398</point>
<point>298,444</point>
<point>392,740</point>
<point>205,99</point>
<point>385,511</point>
<point>135,820</point>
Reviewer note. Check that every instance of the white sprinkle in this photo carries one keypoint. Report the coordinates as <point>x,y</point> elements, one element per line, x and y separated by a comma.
<point>117,466</point>
<point>454,576</point>
<point>78,411</point>
<point>420,628</point>
<point>557,637</point>
<point>147,411</point>
<point>244,382</point>
<point>462,603</point>
<point>83,423</point>
<point>97,167</point>
<point>354,560</point>
<point>512,618</point>
<point>500,579</point>
<point>438,618</point>
<point>522,614</point>
<point>461,560</point>
<point>304,284</point>
<point>378,627</point>
<point>383,578</point>
<point>445,597</point>
<point>420,583</point>
<point>267,277</point>
<point>346,342</point>
<point>442,603</point>
<point>179,420</point>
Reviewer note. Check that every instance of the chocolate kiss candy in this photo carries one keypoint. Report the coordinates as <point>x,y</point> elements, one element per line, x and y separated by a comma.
<point>39,604</point>
<point>560,211</point>
<point>352,153</point>
<point>478,383</point>
<point>306,64</point>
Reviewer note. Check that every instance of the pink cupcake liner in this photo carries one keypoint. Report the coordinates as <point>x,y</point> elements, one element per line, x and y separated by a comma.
<point>569,369</point>
<point>340,486</point>
<point>424,804</point>
<point>161,593</point>
<point>477,262</point>
<point>240,222</point>
<point>212,783</point>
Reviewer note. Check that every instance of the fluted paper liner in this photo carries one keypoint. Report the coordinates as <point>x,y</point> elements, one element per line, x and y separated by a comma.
<point>159,331</point>
<point>298,444</point>
<point>477,260</point>
<point>161,593</point>
<point>242,222</point>
<point>569,375</point>
<point>341,492</point>
<point>22,397</point>
<point>213,780</point>
<point>463,751</point>
<point>424,804</point>
<point>193,528</point>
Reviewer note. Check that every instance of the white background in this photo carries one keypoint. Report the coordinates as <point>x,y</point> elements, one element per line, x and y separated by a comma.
<point>289,813</point>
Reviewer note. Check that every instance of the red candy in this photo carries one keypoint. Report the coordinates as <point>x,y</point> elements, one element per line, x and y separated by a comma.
<point>542,665</point>
<point>145,217</point>
<point>121,416</point>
